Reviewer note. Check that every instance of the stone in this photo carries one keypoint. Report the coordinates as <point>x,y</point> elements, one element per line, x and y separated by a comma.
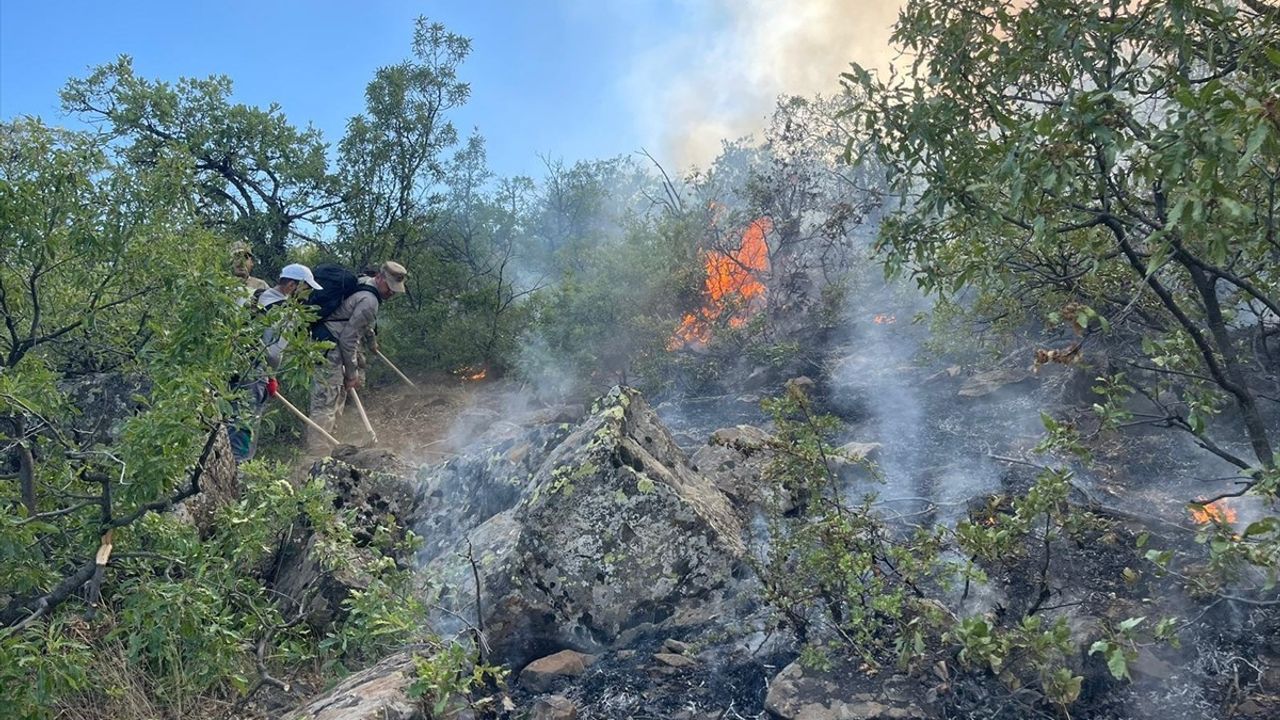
<point>734,460</point>
<point>798,693</point>
<point>378,693</point>
<point>554,707</point>
<point>675,646</point>
<point>104,401</point>
<point>990,381</point>
<point>851,458</point>
<point>467,491</point>
<point>675,661</point>
<point>859,451</point>
<point>747,439</point>
<point>1148,665</point>
<point>602,528</point>
<point>542,673</point>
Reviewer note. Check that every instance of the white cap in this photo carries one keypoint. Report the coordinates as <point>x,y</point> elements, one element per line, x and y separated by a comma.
<point>301,273</point>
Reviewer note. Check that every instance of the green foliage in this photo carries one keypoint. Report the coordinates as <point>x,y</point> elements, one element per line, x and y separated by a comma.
<point>1119,158</point>
<point>41,665</point>
<point>448,676</point>
<point>253,173</point>
<point>1107,170</point>
<point>111,268</point>
<point>843,582</point>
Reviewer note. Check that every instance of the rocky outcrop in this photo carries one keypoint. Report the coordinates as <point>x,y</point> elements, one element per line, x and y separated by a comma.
<point>219,486</point>
<point>378,693</point>
<point>465,492</point>
<point>611,531</point>
<point>104,402</point>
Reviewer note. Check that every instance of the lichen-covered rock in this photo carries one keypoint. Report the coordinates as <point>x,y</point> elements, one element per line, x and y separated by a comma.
<point>104,402</point>
<point>378,693</point>
<point>612,530</point>
<point>465,492</point>
<point>375,488</point>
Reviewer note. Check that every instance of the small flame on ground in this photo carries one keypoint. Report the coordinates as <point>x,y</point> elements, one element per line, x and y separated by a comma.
<point>470,373</point>
<point>732,281</point>
<point>1215,512</point>
<point>883,319</point>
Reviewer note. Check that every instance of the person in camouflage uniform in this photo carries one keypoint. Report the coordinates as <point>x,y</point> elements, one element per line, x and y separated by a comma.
<point>242,262</point>
<point>349,325</point>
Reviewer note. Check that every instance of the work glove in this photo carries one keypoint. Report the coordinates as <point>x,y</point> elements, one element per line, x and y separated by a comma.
<point>273,387</point>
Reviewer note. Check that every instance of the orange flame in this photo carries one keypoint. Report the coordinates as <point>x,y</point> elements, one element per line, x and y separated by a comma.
<point>470,373</point>
<point>732,282</point>
<point>1215,512</point>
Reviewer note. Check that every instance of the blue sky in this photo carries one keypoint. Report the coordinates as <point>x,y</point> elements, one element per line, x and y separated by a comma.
<point>570,79</point>
<point>544,75</point>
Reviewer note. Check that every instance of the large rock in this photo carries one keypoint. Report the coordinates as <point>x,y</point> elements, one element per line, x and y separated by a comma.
<point>798,693</point>
<point>460,495</point>
<point>379,693</point>
<point>611,531</point>
<point>554,707</point>
<point>104,402</point>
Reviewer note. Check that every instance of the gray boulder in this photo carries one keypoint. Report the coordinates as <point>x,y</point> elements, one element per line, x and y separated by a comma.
<point>611,531</point>
<point>734,459</point>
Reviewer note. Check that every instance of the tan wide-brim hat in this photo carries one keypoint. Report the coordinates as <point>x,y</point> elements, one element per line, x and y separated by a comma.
<point>395,275</point>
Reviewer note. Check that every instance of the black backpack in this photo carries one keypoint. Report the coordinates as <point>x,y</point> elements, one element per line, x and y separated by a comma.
<point>337,284</point>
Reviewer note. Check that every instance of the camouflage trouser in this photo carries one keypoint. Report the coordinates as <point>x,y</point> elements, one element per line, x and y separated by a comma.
<point>328,395</point>
<point>246,413</point>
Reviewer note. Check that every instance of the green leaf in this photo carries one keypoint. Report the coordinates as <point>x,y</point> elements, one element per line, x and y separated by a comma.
<point>1252,144</point>
<point>1262,527</point>
<point>1118,664</point>
<point>1131,623</point>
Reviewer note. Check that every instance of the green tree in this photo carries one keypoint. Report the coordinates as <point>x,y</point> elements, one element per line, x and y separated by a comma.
<point>108,265</point>
<point>254,174</point>
<point>1111,167</point>
<point>1124,157</point>
<point>391,157</point>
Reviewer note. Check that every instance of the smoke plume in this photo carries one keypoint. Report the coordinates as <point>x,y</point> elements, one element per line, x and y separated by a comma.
<point>693,92</point>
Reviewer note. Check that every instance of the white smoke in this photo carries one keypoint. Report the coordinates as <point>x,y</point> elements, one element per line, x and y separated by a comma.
<point>694,90</point>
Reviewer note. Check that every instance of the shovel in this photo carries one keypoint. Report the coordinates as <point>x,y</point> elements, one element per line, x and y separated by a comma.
<point>302,416</point>
<point>395,369</point>
<point>364,418</point>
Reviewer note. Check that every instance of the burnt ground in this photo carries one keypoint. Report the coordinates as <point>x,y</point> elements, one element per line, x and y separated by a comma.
<point>939,453</point>
<point>632,684</point>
